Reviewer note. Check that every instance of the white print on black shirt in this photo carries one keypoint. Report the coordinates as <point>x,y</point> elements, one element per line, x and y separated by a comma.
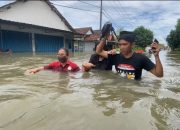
<point>126,70</point>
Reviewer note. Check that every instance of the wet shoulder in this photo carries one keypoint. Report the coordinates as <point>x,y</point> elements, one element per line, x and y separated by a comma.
<point>72,64</point>
<point>94,56</point>
<point>139,56</point>
<point>55,63</point>
<point>115,55</point>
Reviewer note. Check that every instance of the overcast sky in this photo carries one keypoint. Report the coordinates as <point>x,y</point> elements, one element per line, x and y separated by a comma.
<point>158,16</point>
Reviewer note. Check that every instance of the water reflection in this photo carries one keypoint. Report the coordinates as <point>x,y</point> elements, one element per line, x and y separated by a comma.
<point>166,111</point>
<point>113,92</point>
<point>94,100</point>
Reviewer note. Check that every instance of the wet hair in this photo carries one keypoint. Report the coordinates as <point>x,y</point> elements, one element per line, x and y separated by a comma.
<point>66,50</point>
<point>106,47</point>
<point>156,41</point>
<point>127,36</point>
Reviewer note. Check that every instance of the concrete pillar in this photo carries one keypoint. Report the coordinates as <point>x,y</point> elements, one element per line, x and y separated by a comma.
<point>64,42</point>
<point>1,40</point>
<point>33,43</point>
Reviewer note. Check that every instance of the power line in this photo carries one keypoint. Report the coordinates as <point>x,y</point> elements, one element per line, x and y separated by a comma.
<point>115,14</point>
<point>128,15</point>
<point>75,8</point>
<point>100,16</point>
<point>104,11</point>
<point>124,16</point>
<point>108,16</point>
<point>89,4</point>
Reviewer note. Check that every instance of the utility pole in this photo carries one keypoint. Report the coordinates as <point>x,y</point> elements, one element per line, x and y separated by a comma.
<point>101,15</point>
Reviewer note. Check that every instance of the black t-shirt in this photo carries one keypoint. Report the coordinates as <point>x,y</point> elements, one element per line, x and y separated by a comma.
<point>104,64</point>
<point>131,68</point>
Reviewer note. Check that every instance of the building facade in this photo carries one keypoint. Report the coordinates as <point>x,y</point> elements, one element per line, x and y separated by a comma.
<point>34,26</point>
<point>86,39</point>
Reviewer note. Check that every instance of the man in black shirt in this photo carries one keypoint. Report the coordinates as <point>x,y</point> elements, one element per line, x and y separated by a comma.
<point>128,63</point>
<point>98,62</point>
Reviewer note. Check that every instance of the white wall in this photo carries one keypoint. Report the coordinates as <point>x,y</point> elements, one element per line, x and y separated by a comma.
<point>89,32</point>
<point>89,46</point>
<point>33,12</point>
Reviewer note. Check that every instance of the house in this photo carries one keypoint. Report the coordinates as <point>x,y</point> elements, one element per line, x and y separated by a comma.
<point>92,40</point>
<point>85,39</point>
<point>34,26</point>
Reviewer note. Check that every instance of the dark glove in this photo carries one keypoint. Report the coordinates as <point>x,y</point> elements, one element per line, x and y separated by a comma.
<point>107,28</point>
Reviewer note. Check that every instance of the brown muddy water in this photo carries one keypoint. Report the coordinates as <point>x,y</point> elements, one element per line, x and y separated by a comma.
<point>86,101</point>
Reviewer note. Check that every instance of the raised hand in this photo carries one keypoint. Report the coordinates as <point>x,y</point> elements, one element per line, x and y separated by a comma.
<point>105,32</point>
<point>155,49</point>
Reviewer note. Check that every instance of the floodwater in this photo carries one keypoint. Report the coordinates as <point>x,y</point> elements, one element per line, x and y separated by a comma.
<point>86,101</point>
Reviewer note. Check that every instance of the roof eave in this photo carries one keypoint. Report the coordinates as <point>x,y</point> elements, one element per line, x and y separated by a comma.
<point>60,15</point>
<point>18,23</point>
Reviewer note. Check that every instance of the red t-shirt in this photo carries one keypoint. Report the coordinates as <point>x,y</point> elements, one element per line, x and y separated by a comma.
<point>57,66</point>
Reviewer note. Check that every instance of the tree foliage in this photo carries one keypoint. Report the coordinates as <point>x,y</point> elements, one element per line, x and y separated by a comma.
<point>173,38</point>
<point>144,36</point>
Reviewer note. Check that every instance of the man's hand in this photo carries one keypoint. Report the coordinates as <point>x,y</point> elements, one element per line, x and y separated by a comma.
<point>87,66</point>
<point>158,69</point>
<point>112,52</point>
<point>33,71</point>
<point>106,29</point>
<point>155,49</point>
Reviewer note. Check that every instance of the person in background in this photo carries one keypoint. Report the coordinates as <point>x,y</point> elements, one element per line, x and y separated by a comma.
<point>128,63</point>
<point>6,51</point>
<point>62,65</point>
<point>97,62</point>
<point>1,51</point>
<point>152,48</point>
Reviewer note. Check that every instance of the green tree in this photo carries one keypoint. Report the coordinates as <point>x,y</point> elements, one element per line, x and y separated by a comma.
<point>178,32</point>
<point>173,38</point>
<point>144,36</point>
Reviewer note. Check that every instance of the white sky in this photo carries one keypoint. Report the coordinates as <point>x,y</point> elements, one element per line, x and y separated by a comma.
<point>158,16</point>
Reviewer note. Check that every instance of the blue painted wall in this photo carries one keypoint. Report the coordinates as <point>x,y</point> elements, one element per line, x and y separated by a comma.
<point>0,40</point>
<point>16,41</point>
<point>46,43</point>
<point>70,44</point>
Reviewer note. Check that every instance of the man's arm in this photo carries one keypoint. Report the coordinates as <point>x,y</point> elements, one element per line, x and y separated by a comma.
<point>158,69</point>
<point>74,67</point>
<point>35,70</point>
<point>99,48</point>
<point>87,66</point>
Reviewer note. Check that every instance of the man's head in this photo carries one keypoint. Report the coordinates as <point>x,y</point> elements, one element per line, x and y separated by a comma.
<point>63,55</point>
<point>156,41</point>
<point>126,42</point>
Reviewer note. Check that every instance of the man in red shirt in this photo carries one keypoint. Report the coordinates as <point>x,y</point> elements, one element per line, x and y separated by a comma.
<point>63,65</point>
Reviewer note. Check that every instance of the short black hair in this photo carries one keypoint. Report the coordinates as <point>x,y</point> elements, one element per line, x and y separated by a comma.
<point>127,36</point>
<point>66,50</point>
<point>156,41</point>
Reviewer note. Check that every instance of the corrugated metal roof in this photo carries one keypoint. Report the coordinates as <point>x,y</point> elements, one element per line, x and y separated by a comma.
<point>83,30</point>
<point>93,37</point>
<point>40,13</point>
